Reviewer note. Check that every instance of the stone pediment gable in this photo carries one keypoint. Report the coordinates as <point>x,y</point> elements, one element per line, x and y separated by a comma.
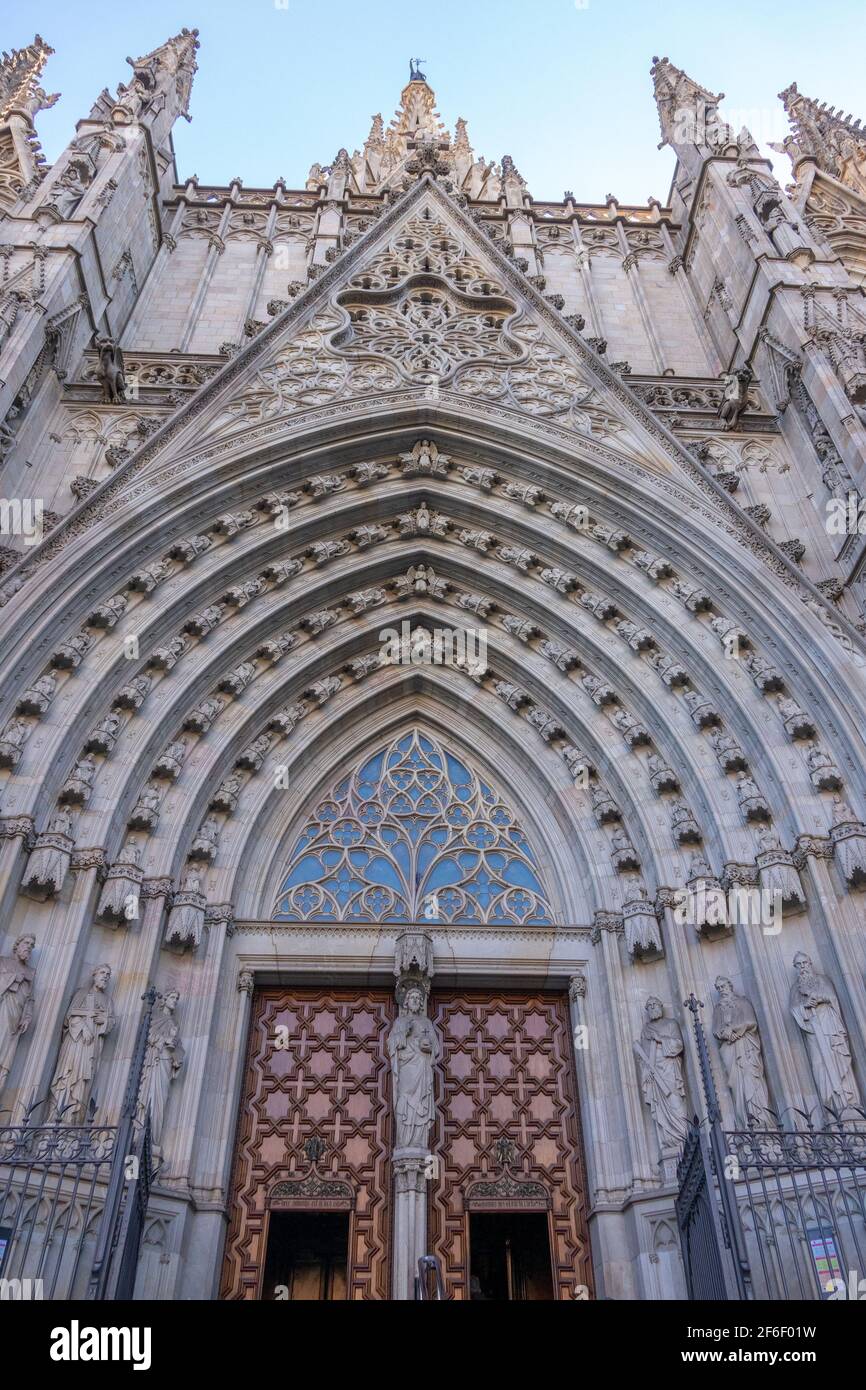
<point>422,307</point>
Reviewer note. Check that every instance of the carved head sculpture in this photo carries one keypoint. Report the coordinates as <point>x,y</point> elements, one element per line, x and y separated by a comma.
<point>654,1009</point>
<point>101,976</point>
<point>803,965</point>
<point>170,1000</point>
<point>724,986</point>
<point>414,1001</point>
<point>23,947</point>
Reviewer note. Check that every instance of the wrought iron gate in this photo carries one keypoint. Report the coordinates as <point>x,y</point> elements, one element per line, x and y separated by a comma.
<point>770,1214</point>
<point>73,1200</point>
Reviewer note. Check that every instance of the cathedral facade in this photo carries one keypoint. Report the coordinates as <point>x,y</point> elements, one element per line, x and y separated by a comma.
<point>434,690</point>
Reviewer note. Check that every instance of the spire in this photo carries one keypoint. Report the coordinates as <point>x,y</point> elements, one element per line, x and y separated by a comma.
<point>690,120</point>
<point>835,142</point>
<point>163,77</point>
<point>21,97</point>
<point>19,87</point>
<point>688,112</point>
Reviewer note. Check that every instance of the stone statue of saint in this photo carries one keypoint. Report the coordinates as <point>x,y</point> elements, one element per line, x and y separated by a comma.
<point>413,1048</point>
<point>16,1000</point>
<point>736,1027</point>
<point>89,1020</point>
<point>163,1059</point>
<point>815,1007</point>
<point>660,1053</point>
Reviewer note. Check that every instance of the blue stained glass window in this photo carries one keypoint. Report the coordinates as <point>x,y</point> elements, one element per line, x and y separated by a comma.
<point>413,835</point>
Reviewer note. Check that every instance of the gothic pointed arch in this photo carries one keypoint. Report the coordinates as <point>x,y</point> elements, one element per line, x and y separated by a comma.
<point>413,833</point>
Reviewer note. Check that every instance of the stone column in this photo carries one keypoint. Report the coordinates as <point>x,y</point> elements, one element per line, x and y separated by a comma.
<point>413,1099</point>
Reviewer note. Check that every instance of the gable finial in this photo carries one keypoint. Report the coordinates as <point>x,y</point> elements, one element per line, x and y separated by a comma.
<point>415,73</point>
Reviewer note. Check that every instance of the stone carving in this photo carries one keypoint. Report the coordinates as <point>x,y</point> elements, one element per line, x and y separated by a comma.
<point>170,762</point>
<point>659,1053</point>
<point>163,1061</point>
<point>544,723</point>
<point>134,693</point>
<point>102,739</point>
<point>735,1025</point>
<point>634,733</point>
<point>735,396</point>
<point>282,573</point>
<point>149,577</point>
<point>186,919</point>
<point>765,676</point>
<point>424,460</point>
<point>671,672</point>
<point>602,607</point>
<point>254,756</point>
<point>199,720</point>
<point>120,893</point>
<point>566,658</point>
<point>78,786</point>
<point>204,846</point>
<point>849,843</point>
<point>12,741</point>
<point>685,827</point>
<point>316,623</point>
<point>370,598</point>
<point>88,1022</point>
<point>324,485</point>
<point>188,550</point>
<point>825,776</point>
<point>145,813</point>
<point>38,696</point>
<point>815,1007</point>
<point>516,555</point>
<point>413,1049</point>
<point>423,522</point>
<point>563,581</point>
<point>797,724</point>
<point>642,936</point>
<point>320,552</point>
<point>236,682</point>
<point>110,371</point>
<point>703,711</point>
<point>200,624</point>
<point>728,751</point>
<point>777,872</point>
<point>662,777</point>
<point>320,692</point>
<point>366,473</point>
<point>623,852</point>
<point>476,540</point>
<point>16,1000</point>
<point>108,614</point>
<point>752,803</point>
<point>50,856</point>
<point>520,628</point>
<point>603,805</point>
<point>638,638</point>
<point>366,536</point>
<point>226,796</point>
<point>69,656</point>
<point>602,693</point>
<point>164,658</point>
<point>232,522</point>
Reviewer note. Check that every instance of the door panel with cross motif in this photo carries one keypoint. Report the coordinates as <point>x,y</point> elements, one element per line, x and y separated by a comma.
<point>507,1120</point>
<point>317,1068</point>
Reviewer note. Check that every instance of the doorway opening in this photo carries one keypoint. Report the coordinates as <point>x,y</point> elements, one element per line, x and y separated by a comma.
<point>510,1256</point>
<point>307,1256</point>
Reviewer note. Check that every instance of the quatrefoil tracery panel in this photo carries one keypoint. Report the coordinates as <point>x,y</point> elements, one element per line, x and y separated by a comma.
<point>413,834</point>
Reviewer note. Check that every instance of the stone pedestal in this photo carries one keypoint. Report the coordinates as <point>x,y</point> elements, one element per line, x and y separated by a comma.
<point>410,1219</point>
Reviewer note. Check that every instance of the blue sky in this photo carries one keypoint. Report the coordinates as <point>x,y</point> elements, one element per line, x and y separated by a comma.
<point>564,87</point>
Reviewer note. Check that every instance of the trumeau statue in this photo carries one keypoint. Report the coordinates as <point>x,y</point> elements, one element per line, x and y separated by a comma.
<point>89,1020</point>
<point>163,1060</point>
<point>815,1007</point>
<point>16,1000</point>
<point>413,1048</point>
<point>736,1028</point>
<point>660,1061</point>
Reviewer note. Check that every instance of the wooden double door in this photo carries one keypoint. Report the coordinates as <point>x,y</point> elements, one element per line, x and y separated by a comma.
<point>312,1190</point>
